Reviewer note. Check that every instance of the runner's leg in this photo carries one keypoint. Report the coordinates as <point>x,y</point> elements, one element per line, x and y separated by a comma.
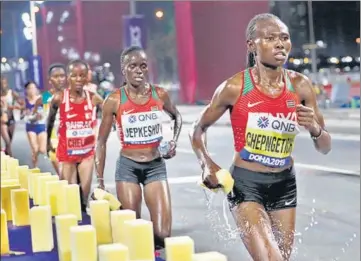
<point>33,141</point>
<point>85,172</point>
<point>256,231</point>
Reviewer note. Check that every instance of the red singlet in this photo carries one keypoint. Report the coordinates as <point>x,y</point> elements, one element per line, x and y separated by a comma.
<point>265,128</point>
<point>139,126</point>
<point>76,129</point>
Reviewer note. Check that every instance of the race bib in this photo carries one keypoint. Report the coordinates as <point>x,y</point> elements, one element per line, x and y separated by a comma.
<point>142,127</point>
<point>269,139</point>
<point>80,138</point>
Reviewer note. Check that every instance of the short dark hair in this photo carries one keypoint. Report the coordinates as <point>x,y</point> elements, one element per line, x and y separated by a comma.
<point>77,61</point>
<point>27,84</point>
<point>56,66</point>
<point>251,30</point>
<point>127,51</point>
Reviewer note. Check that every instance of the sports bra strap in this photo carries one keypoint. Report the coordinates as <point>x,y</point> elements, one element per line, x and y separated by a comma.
<point>123,96</point>
<point>154,92</point>
<point>247,82</point>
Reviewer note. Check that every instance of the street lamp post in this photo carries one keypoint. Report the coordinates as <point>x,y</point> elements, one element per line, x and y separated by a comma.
<point>33,27</point>
<point>312,39</point>
<point>132,7</point>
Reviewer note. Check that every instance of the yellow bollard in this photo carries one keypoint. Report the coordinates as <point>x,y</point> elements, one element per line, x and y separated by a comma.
<point>5,249</point>
<point>83,242</point>
<point>179,248</point>
<point>6,199</point>
<point>63,223</point>
<point>12,167</point>
<point>20,207</point>
<point>100,220</point>
<point>113,252</point>
<point>34,185</point>
<point>23,172</point>
<point>41,196</point>
<point>41,229</point>
<point>117,219</point>
<point>140,241</point>
<point>56,196</point>
<point>73,200</point>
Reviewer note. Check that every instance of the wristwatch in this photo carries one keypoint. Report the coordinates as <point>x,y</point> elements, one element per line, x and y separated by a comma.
<point>317,136</point>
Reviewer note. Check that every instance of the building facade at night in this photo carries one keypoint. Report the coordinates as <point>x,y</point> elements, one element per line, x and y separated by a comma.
<point>210,38</point>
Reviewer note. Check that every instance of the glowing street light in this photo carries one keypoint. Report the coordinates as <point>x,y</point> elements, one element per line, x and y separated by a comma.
<point>159,14</point>
<point>33,10</point>
<point>358,40</point>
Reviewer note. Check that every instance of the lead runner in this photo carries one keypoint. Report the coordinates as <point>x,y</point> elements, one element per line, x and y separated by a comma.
<point>267,104</point>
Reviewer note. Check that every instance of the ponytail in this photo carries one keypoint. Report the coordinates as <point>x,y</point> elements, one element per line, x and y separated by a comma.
<point>251,61</point>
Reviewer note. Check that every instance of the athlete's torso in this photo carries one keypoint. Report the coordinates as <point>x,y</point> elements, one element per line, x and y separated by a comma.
<point>265,128</point>
<point>29,107</point>
<point>7,100</point>
<point>139,126</point>
<point>76,127</point>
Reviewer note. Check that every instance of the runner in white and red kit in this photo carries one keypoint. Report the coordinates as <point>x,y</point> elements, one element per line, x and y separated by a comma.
<point>75,151</point>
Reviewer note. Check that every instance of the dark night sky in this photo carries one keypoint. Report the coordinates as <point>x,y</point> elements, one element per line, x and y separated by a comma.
<point>337,23</point>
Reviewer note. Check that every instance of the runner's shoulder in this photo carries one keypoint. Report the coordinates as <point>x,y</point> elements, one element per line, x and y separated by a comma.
<point>230,89</point>
<point>297,78</point>
<point>57,97</point>
<point>115,95</point>
<point>162,92</point>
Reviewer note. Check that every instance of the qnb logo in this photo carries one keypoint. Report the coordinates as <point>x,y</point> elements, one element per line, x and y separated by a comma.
<point>132,119</point>
<point>135,36</point>
<point>146,117</point>
<point>263,122</point>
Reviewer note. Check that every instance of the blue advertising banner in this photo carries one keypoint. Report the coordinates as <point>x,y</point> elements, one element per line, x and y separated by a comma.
<point>134,31</point>
<point>36,71</point>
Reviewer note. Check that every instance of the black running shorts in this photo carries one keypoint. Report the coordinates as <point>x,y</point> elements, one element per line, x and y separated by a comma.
<point>128,170</point>
<point>274,191</point>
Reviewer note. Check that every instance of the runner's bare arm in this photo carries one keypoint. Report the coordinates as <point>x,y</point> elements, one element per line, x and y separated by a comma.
<point>225,96</point>
<point>20,102</point>
<point>306,94</point>
<point>110,107</point>
<point>35,115</point>
<point>54,106</point>
<point>170,108</point>
<point>97,100</point>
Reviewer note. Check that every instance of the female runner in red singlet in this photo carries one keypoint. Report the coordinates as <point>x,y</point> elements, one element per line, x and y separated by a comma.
<point>137,109</point>
<point>267,105</point>
<point>76,133</point>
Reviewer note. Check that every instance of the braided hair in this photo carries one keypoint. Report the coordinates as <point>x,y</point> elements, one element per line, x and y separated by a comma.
<point>125,52</point>
<point>251,31</point>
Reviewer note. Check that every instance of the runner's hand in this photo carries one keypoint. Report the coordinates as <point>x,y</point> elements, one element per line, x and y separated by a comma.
<point>49,148</point>
<point>306,118</point>
<point>209,175</point>
<point>172,150</point>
